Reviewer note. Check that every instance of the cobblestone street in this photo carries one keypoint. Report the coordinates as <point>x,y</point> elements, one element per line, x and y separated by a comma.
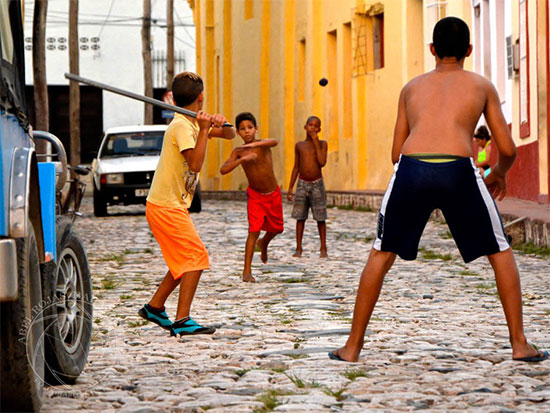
<point>437,340</point>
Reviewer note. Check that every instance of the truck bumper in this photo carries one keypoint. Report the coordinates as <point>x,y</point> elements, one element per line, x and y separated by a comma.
<point>8,276</point>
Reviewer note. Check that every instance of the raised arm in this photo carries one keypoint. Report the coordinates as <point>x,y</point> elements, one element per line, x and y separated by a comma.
<point>225,132</point>
<point>294,174</point>
<point>219,131</point>
<point>321,148</point>
<point>496,180</point>
<point>401,131</point>
<point>195,156</point>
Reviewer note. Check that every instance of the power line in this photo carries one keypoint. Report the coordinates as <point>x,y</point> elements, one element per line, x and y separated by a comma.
<point>184,28</point>
<point>106,18</point>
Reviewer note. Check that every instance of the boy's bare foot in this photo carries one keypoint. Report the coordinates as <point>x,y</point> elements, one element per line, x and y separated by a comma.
<point>297,254</point>
<point>323,254</point>
<point>249,279</point>
<point>524,350</point>
<point>343,354</point>
<point>263,249</point>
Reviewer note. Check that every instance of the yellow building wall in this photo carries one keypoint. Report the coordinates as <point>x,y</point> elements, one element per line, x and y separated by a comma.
<point>267,57</point>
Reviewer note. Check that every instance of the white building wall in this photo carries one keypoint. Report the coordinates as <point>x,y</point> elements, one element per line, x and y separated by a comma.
<point>117,61</point>
<point>488,36</point>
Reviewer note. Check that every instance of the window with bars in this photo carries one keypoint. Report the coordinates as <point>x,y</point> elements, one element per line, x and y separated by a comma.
<point>159,66</point>
<point>434,11</point>
<point>368,39</point>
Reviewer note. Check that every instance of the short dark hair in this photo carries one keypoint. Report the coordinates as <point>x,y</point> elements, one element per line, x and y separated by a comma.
<point>451,38</point>
<point>245,116</point>
<point>312,117</point>
<point>482,133</point>
<point>186,88</point>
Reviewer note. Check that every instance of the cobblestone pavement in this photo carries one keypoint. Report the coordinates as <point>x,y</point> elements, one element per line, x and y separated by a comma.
<point>437,339</point>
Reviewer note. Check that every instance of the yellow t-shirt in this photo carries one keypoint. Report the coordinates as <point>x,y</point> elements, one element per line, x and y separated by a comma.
<point>174,183</point>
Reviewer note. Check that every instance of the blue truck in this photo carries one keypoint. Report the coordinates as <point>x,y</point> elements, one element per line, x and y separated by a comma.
<point>45,285</point>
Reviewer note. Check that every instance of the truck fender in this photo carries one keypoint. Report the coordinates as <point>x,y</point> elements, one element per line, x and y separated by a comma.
<point>24,199</point>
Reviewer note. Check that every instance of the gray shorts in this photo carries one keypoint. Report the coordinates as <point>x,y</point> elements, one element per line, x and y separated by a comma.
<point>310,195</point>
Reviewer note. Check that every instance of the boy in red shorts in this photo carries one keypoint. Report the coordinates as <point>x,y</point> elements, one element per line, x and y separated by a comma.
<point>265,208</point>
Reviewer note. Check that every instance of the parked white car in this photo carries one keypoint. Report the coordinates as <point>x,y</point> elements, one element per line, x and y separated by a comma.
<point>125,165</point>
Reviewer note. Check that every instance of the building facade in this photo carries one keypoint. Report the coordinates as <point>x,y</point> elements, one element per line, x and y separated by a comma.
<point>267,57</point>
<point>110,52</point>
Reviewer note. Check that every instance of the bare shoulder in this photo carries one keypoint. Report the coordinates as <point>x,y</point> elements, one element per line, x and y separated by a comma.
<point>477,79</point>
<point>416,81</point>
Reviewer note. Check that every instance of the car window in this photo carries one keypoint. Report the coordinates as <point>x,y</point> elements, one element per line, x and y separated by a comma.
<point>130,144</point>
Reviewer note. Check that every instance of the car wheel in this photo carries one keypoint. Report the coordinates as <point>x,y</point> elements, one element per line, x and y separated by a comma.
<point>68,290</point>
<point>196,204</point>
<point>22,335</point>
<point>100,205</point>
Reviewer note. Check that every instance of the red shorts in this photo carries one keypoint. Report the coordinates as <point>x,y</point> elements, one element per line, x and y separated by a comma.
<point>265,211</point>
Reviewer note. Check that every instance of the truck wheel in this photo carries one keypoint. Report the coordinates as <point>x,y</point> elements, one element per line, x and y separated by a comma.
<point>68,290</point>
<point>22,335</point>
<point>100,205</point>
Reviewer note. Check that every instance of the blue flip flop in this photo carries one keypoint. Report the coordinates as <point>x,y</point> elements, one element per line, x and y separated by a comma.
<point>541,356</point>
<point>333,356</point>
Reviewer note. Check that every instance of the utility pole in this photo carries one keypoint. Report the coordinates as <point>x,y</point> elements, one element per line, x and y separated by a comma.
<point>146,53</point>
<point>74,87</point>
<point>169,43</point>
<point>41,107</point>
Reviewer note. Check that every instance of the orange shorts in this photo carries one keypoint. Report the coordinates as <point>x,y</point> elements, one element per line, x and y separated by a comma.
<point>178,239</point>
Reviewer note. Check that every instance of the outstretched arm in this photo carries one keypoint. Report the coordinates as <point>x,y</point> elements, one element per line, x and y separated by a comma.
<point>401,131</point>
<point>268,143</point>
<point>235,159</point>
<point>496,180</point>
<point>294,174</point>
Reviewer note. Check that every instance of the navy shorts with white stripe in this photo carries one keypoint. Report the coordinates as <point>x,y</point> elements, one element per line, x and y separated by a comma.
<point>457,189</point>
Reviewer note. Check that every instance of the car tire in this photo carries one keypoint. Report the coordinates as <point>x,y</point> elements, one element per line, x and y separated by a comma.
<point>100,205</point>
<point>22,335</point>
<point>68,292</point>
<point>196,204</point>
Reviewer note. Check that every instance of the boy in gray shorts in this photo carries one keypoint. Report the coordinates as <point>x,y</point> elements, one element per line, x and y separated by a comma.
<point>310,157</point>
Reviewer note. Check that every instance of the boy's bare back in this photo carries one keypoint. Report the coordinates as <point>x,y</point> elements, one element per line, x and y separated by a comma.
<point>438,112</point>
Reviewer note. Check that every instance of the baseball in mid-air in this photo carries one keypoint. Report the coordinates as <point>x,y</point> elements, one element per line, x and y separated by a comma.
<point>323,81</point>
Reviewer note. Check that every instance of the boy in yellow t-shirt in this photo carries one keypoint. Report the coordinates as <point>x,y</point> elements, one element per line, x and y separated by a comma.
<point>171,193</point>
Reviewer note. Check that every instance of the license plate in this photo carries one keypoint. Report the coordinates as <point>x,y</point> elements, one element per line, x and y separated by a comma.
<point>142,192</point>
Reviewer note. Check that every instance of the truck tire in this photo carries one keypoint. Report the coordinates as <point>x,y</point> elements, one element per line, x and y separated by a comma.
<point>68,290</point>
<point>100,205</point>
<point>22,335</point>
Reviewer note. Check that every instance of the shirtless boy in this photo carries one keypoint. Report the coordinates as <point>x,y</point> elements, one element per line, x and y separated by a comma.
<point>265,208</point>
<point>310,155</point>
<point>432,150</point>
